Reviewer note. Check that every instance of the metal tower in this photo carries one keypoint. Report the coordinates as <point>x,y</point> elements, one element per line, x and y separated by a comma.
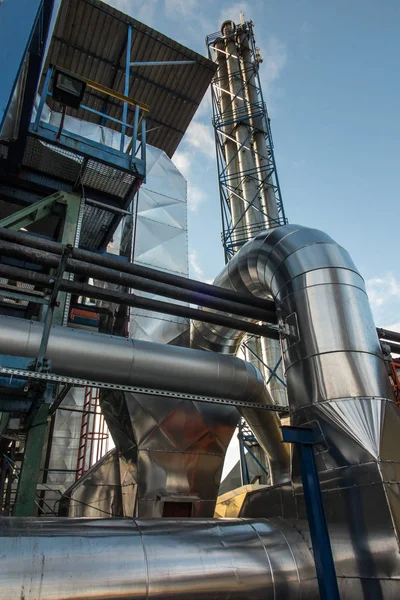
<point>248,181</point>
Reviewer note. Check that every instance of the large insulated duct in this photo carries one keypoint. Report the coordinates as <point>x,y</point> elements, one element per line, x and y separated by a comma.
<point>330,346</point>
<point>111,359</point>
<point>336,380</point>
<point>110,559</point>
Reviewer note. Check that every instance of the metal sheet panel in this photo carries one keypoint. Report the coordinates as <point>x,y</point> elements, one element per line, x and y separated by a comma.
<point>64,448</point>
<point>178,447</point>
<point>161,242</point>
<point>107,489</point>
<point>166,559</point>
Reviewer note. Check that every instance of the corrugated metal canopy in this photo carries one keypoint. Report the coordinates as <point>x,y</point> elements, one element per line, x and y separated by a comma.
<point>90,40</point>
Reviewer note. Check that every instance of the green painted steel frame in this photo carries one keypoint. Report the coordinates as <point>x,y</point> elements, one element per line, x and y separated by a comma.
<point>68,206</point>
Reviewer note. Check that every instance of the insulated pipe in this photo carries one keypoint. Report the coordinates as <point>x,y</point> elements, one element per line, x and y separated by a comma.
<point>232,168</point>
<point>259,122</point>
<point>187,559</point>
<point>250,192</point>
<point>102,260</point>
<point>331,349</point>
<point>386,334</point>
<point>126,299</point>
<point>49,260</point>
<point>394,348</point>
<point>111,359</point>
<point>270,349</point>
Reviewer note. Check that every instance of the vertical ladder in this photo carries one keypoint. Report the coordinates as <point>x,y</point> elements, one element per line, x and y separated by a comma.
<point>94,433</point>
<point>87,426</point>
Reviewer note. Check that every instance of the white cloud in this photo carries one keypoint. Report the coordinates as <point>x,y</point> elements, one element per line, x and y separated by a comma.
<point>274,56</point>
<point>142,11</point>
<point>382,289</point>
<point>182,8</point>
<point>194,265</point>
<point>384,297</point>
<point>195,268</point>
<point>205,108</point>
<point>182,162</point>
<point>195,195</point>
<point>233,12</point>
<point>200,137</point>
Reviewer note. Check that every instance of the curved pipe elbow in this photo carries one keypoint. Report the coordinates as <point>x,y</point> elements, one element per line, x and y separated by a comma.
<point>328,336</point>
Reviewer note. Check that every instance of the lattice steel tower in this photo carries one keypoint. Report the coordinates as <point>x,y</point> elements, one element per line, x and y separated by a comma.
<point>249,186</point>
<point>250,194</point>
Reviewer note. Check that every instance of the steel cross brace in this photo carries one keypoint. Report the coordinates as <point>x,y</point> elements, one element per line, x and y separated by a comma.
<point>67,253</point>
<point>305,438</point>
<point>41,364</point>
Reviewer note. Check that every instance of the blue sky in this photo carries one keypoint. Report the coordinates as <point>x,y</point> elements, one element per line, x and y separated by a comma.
<point>331,80</point>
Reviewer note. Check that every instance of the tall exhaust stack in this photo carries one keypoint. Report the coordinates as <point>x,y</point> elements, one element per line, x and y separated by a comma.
<point>249,187</point>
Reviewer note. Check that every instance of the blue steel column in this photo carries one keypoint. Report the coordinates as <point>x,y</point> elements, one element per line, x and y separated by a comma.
<point>42,101</point>
<point>305,438</point>
<point>244,471</point>
<point>126,88</point>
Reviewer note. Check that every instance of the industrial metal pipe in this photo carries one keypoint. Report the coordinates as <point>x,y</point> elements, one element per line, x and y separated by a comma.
<point>233,183</point>
<point>330,345</point>
<point>262,154</point>
<point>126,299</point>
<point>110,359</point>
<point>248,179</point>
<point>110,559</point>
<point>102,260</point>
<point>118,277</point>
<point>264,161</point>
<point>394,348</point>
<point>387,334</point>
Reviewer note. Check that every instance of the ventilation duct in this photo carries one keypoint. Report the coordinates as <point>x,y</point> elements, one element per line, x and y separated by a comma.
<point>106,559</point>
<point>337,382</point>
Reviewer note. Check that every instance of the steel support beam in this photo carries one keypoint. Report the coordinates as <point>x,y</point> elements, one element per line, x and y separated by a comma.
<point>39,411</point>
<point>25,502</point>
<point>244,470</point>
<point>305,438</point>
<point>34,212</point>
<point>120,69</point>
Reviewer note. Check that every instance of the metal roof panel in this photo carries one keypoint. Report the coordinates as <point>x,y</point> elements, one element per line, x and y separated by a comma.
<point>90,40</point>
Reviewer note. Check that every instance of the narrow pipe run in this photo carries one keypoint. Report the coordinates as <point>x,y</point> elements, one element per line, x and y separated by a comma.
<point>129,299</point>
<point>118,277</point>
<point>102,260</point>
